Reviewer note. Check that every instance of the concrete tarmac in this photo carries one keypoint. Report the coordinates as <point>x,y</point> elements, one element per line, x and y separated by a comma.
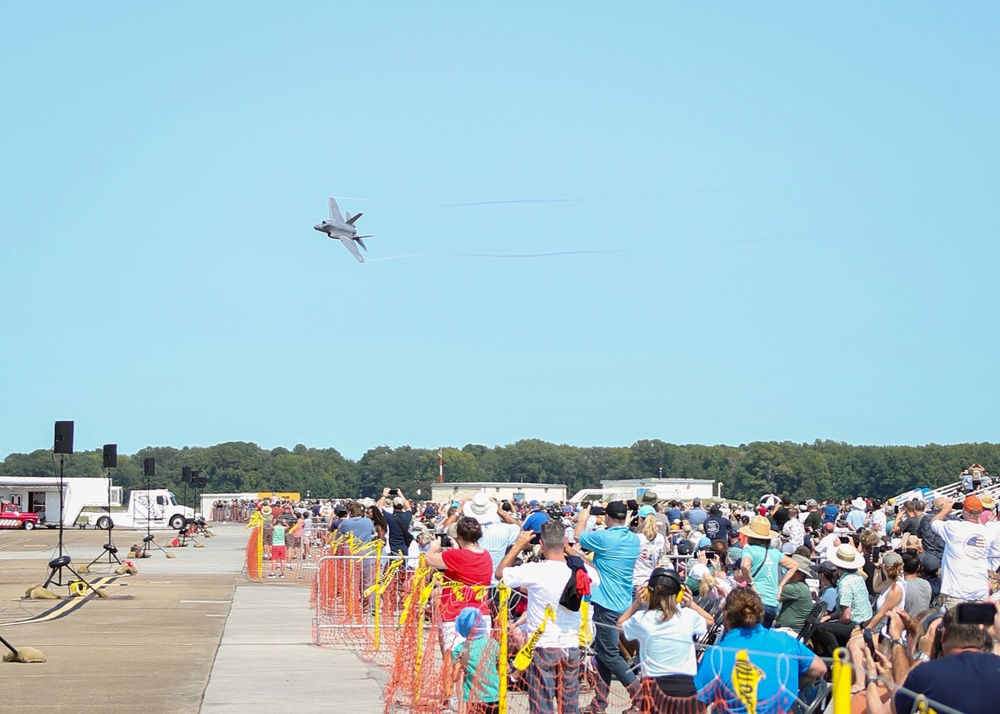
<point>187,634</point>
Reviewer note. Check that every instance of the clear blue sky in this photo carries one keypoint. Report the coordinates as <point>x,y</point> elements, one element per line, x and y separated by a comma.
<point>164,165</point>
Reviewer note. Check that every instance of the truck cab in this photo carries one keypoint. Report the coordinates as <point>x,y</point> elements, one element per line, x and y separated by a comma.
<point>154,507</point>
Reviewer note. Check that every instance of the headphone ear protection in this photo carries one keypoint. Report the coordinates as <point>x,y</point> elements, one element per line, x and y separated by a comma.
<point>666,577</point>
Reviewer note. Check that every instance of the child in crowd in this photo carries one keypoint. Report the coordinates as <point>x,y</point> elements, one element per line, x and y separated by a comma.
<point>475,660</point>
<point>278,552</point>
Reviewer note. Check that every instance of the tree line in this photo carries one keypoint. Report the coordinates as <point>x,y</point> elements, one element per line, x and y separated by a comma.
<point>822,469</point>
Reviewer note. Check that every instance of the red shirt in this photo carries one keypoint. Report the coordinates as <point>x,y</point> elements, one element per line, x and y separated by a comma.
<point>470,568</point>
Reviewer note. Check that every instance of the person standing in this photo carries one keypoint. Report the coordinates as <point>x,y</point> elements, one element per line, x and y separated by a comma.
<point>761,565</point>
<point>279,553</point>
<point>554,672</point>
<point>615,549</point>
<point>856,517</point>
<point>717,526</point>
<point>696,515</point>
<point>651,547</point>
<point>967,544</point>
<point>397,521</point>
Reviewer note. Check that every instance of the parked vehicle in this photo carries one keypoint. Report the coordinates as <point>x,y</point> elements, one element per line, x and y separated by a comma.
<point>11,516</point>
<point>156,507</point>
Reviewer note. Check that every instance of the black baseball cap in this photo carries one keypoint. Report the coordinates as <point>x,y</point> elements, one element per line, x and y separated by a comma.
<point>665,576</point>
<point>616,510</point>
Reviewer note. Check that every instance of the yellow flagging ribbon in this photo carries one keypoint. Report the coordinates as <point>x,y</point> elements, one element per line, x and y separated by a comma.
<point>256,519</point>
<point>503,593</point>
<point>841,682</point>
<point>585,636</point>
<point>378,600</point>
<point>923,707</point>
<point>385,578</point>
<point>746,679</point>
<point>527,653</point>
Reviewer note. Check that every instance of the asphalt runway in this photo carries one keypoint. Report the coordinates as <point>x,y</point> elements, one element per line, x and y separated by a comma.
<point>150,647</point>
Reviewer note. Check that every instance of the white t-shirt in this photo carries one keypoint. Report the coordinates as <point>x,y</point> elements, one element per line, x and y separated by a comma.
<point>649,554</point>
<point>666,647</point>
<point>830,540</point>
<point>544,581</point>
<point>964,567</point>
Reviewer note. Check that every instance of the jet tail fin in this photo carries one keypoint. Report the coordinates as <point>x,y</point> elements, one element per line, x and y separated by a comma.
<point>351,219</point>
<point>361,242</point>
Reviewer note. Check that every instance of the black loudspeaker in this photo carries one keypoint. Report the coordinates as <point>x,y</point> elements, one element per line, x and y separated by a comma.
<point>64,438</point>
<point>186,474</point>
<point>197,480</point>
<point>110,456</point>
<point>149,466</point>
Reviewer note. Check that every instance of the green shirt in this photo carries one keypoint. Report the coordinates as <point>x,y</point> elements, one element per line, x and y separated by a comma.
<point>796,604</point>
<point>278,536</point>
<point>481,681</point>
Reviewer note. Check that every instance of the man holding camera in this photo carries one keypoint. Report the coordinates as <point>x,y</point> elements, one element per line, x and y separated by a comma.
<point>398,519</point>
<point>967,544</point>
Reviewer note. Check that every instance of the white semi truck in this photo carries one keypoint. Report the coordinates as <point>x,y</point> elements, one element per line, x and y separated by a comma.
<point>157,508</point>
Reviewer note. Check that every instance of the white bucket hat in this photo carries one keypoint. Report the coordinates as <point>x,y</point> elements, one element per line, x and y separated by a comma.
<point>481,508</point>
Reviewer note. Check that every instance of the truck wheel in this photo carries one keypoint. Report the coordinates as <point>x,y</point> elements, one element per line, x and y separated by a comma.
<point>29,525</point>
<point>104,523</point>
<point>177,522</point>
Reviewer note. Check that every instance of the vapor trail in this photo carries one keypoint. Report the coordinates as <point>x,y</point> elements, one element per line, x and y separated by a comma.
<point>552,200</point>
<point>493,255</point>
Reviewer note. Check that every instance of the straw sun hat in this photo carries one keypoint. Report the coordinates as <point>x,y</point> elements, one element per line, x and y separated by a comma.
<point>847,557</point>
<point>759,527</point>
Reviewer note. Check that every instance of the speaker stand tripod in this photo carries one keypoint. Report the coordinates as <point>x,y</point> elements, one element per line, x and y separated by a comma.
<point>62,561</point>
<point>110,549</point>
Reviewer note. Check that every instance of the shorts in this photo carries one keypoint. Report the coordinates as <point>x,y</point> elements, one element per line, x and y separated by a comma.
<point>279,552</point>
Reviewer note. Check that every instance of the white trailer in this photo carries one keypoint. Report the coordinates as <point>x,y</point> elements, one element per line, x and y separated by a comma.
<point>40,494</point>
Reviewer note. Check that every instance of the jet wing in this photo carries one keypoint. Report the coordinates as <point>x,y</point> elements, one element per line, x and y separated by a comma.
<point>335,212</point>
<point>349,244</point>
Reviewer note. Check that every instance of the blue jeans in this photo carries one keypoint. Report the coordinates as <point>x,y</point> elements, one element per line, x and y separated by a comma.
<point>770,612</point>
<point>554,676</point>
<point>609,657</point>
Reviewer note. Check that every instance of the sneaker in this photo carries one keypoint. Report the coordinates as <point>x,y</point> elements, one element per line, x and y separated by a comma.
<point>282,575</point>
<point>592,709</point>
<point>272,575</point>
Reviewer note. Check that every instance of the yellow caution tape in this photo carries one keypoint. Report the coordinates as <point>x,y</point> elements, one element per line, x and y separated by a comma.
<point>746,679</point>
<point>527,653</point>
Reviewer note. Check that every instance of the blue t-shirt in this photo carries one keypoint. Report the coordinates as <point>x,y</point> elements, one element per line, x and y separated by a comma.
<point>778,657</point>
<point>615,552</point>
<point>362,528</point>
<point>535,521</point>
<point>674,514</point>
<point>965,681</point>
<point>697,515</point>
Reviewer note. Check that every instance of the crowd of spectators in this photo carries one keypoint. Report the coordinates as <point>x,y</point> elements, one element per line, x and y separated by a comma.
<point>772,588</point>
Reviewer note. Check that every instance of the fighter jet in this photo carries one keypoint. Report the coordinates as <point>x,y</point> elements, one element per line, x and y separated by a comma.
<point>344,231</point>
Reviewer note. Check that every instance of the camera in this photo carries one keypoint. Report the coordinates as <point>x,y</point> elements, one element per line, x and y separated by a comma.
<point>975,613</point>
<point>445,540</point>
<point>393,491</point>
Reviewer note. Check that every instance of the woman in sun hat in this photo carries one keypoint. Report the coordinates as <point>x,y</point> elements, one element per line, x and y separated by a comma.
<point>761,563</point>
<point>852,599</point>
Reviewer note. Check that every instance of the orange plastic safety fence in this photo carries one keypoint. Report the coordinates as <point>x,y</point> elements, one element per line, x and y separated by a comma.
<point>253,554</point>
